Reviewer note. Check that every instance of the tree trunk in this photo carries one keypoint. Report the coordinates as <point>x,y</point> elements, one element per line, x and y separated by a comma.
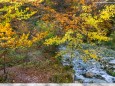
<point>4,68</point>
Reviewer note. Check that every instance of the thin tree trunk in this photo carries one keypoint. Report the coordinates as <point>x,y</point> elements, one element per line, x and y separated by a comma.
<point>4,68</point>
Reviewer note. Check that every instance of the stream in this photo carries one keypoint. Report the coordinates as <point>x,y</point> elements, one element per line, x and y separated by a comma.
<point>91,71</point>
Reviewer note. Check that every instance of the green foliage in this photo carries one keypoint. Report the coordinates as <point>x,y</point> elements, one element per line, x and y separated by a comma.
<point>62,78</point>
<point>111,72</point>
<point>48,2</point>
<point>13,58</point>
<point>101,51</point>
<point>111,43</point>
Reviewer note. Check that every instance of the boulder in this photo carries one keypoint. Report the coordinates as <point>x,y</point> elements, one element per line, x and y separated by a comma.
<point>112,62</point>
<point>89,74</point>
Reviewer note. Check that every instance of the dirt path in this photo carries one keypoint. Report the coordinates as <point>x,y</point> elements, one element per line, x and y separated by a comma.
<point>21,75</point>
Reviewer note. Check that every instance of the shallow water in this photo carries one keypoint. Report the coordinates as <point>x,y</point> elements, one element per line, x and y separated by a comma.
<point>96,71</point>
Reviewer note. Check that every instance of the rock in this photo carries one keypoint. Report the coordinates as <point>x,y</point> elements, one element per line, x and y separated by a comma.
<point>94,81</point>
<point>106,60</point>
<point>111,66</point>
<point>112,62</point>
<point>91,71</point>
<point>76,81</point>
<point>89,74</point>
<point>93,64</point>
<point>108,63</point>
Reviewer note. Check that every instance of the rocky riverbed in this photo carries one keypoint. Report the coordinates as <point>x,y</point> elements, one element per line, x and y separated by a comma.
<point>92,71</point>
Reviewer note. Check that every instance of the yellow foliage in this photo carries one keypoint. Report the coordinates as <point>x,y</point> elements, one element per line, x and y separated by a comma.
<point>93,21</point>
<point>98,36</point>
<point>90,54</point>
<point>13,11</point>
<point>6,34</point>
<point>86,8</point>
<point>39,36</point>
<point>52,41</point>
<point>9,38</point>
<point>57,40</point>
<point>108,12</point>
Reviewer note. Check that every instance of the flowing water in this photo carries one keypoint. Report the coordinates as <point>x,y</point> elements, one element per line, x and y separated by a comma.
<point>91,71</point>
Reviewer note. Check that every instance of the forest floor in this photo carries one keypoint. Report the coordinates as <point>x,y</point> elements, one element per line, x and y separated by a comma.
<point>18,74</point>
<point>25,74</point>
<point>41,68</point>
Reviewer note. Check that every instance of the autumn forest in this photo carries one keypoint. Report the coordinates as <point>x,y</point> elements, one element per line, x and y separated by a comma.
<point>57,41</point>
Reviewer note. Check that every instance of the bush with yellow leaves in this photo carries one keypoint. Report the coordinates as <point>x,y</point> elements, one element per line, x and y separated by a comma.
<point>9,39</point>
<point>75,38</point>
<point>14,11</point>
